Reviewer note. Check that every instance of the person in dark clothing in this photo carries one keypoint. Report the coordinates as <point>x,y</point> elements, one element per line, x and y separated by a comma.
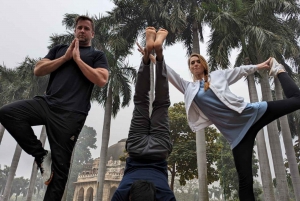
<point>73,70</point>
<point>148,144</point>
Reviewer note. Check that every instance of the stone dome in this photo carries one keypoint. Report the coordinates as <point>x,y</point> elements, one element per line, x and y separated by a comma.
<point>116,150</point>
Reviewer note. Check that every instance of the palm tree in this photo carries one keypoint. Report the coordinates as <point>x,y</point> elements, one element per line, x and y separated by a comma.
<point>12,172</point>
<point>265,170</point>
<point>288,143</point>
<point>2,129</point>
<point>120,77</point>
<point>7,77</point>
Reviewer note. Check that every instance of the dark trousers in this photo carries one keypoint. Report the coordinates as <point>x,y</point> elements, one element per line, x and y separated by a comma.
<point>242,153</point>
<point>63,128</point>
<point>149,137</point>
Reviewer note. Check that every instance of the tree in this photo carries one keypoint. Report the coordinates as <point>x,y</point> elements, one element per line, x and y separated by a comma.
<point>19,187</point>
<point>182,160</point>
<point>288,142</point>
<point>3,177</point>
<point>82,155</point>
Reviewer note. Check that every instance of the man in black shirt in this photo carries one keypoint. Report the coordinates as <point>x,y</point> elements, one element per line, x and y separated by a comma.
<point>73,70</point>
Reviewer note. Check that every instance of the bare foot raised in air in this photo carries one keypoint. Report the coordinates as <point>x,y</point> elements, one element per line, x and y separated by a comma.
<point>150,38</point>
<point>160,38</point>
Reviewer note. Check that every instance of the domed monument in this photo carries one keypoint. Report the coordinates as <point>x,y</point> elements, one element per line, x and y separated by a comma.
<point>86,185</point>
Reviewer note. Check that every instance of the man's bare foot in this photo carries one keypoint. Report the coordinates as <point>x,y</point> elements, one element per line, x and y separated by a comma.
<point>160,37</point>
<point>150,38</point>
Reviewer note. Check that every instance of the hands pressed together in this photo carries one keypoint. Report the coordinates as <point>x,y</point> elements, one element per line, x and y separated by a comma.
<point>73,51</point>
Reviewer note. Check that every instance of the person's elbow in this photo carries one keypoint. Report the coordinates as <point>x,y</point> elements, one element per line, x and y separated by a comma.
<point>37,70</point>
<point>102,81</point>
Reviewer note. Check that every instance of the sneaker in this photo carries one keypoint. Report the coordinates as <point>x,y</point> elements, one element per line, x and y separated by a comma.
<point>275,67</point>
<point>44,164</point>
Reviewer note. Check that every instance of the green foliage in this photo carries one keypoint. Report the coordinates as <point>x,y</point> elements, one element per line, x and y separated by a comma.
<point>19,187</point>
<point>20,82</point>
<point>82,155</point>
<point>3,177</point>
<point>182,162</point>
<point>215,192</point>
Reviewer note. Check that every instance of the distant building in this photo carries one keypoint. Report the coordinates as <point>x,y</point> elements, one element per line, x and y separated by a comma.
<point>85,187</point>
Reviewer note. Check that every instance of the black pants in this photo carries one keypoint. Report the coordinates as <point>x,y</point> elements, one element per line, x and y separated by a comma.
<point>149,137</point>
<point>63,128</point>
<point>242,153</point>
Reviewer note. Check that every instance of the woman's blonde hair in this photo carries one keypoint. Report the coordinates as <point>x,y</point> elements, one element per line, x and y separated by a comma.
<point>204,64</point>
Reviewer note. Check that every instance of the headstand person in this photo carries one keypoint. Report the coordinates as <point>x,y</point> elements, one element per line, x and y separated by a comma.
<point>148,144</point>
<point>208,100</point>
<point>74,70</point>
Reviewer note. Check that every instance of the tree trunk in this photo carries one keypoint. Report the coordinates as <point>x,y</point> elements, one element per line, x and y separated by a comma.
<point>288,144</point>
<point>201,163</point>
<point>200,137</point>
<point>34,171</point>
<point>173,174</point>
<point>104,145</point>
<point>265,171</point>
<point>282,187</point>
<point>2,129</point>
<point>12,172</point>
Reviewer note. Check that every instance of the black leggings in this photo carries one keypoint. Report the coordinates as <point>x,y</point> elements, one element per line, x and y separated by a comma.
<point>149,137</point>
<point>242,153</point>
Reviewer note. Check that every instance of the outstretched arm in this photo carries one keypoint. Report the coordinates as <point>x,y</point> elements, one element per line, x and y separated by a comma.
<point>234,74</point>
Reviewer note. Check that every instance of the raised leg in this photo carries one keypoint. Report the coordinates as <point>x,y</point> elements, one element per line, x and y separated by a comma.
<point>140,123</point>
<point>18,117</point>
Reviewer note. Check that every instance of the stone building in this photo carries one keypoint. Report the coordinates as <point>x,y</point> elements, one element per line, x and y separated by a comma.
<point>85,187</point>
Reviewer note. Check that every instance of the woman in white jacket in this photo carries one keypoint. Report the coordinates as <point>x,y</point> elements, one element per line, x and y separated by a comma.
<point>208,100</point>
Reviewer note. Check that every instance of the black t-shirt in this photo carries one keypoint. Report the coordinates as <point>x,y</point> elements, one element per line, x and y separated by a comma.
<point>68,88</point>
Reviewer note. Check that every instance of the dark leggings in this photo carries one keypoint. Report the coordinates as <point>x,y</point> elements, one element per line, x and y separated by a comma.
<point>242,153</point>
<point>149,137</point>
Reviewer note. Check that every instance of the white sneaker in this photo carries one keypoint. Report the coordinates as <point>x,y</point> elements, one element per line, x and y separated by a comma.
<point>275,67</point>
<point>44,164</point>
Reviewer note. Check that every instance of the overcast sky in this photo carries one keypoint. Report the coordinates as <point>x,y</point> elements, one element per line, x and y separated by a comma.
<point>25,30</point>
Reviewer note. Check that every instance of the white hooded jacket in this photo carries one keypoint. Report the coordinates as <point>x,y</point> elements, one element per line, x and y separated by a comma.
<point>220,80</point>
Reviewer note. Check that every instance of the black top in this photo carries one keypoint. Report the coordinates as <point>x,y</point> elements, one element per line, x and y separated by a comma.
<point>68,88</point>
